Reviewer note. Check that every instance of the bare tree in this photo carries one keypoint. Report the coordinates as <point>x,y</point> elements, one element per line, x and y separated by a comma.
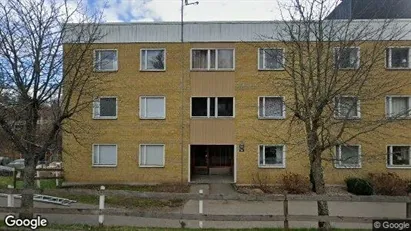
<point>32,33</point>
<point>324,61</point>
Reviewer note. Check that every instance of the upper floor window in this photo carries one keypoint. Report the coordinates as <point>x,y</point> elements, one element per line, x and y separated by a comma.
<point>398,57</point>
<point>347,57</point>
<point>105,60</point>
<point>212,59</point>
<point>152,107</point>
<point>271,156</point>
<point>399,156</point>
<point>153,59</point>
<point>105,155</point>
<point>270,59</point>
<point>271,107</point>
<point>105,107</point>
<point>348,156</point>
<point>347,107</point>
<point>212,107</point>
<point>398,106</point>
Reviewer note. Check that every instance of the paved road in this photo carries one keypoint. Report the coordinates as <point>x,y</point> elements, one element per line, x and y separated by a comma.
<point>394,210</point>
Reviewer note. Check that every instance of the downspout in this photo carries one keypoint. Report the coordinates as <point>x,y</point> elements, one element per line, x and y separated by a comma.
<point>182,91</point>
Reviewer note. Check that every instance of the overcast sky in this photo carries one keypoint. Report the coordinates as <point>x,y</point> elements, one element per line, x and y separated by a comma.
<point>169,10</point>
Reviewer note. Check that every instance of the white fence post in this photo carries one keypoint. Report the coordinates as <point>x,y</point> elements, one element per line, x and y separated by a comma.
<point>200,208</point>
<point>101,206</point>
<point>38,179</point>
<point>10,198</point>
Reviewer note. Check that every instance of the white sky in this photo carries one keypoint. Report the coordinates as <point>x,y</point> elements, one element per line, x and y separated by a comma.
<point>207,10</point>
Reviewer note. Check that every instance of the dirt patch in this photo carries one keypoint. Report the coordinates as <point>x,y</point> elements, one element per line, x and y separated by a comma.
<point>175,188</point>
<point>254,190</point>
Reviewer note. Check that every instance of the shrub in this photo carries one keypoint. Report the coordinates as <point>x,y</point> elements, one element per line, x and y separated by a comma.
<point>295,183</point>
<point>261,181</point>
<point>389,184</point>
<point>359,186</point>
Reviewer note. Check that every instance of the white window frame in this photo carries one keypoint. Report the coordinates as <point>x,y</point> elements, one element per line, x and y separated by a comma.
<point>144,97</point>
<point>389,61</point>
<point>103,165</point>
<point>95,57</point>
<point>216,116</point>
<point>270,117</point>
<point>96,103</point>
<point>209,60</point>
<point>140,157</point>
<point>388,108</point>
<point>390,165</point>
<point>151,49</point>
<point>337,52</point>
<point>283,165</point>
<point>337,107</point>
<point>269,69</point>
<point>338,162</point>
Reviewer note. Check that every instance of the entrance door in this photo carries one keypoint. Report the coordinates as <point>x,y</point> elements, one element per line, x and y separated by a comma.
<point>212,159</point>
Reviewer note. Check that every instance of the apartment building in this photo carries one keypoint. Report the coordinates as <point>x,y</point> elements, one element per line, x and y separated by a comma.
<point>179,112</point>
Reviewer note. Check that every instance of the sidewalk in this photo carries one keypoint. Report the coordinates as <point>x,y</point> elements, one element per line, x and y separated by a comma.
<point>366,209</point>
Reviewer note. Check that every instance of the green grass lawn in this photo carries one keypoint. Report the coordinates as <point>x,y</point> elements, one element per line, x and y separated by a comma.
<point>8,180</point>
<point>116,201</point>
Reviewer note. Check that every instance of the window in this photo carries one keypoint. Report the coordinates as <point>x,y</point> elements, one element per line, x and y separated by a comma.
<point>271,59</point>
<point>105,108</point>
<point>347,107</point>
<point>398,106</point>
<point>212,59</point>
<point>212,107</point>
<point>105,60</point>
<point>398,57</point>
<point>348,156</point>
<point>271,156</point>
<point>152,60</point>
<point>271,107</point>
<point>104,155</point>
<point>151,155</point>
<point>152,107</point>
<point>399,156</point>
<point>347,58</point>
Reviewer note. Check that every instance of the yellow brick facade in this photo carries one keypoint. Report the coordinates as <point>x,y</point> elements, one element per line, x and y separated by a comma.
<point>128,131</point>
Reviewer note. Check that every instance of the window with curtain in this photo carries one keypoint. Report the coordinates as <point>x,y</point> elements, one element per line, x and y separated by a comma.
<point>105,108</point>
<point>152,155</point>
<point>152,59</point>
<point>399,156</point>
<point>212,59</point>
<point>271,107</point>
<point>104,155</point>
<point>271,59</point>
<point>105,60</point>
<point>398,106</point>
<point>347,107</point>
<point>271,156</point>
<point>348,156</point>
<point>398,57</point>
<point>347,57</point>
<point>152,107</point>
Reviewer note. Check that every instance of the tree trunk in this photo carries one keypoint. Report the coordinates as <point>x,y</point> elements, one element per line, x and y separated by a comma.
<point>29,174</point>
<point>319,188</point>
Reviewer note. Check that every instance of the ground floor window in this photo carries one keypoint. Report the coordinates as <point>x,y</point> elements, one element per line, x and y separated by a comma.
<point>398,156</point>
<point>104,155</point>
<point>348,156</point>
<point>271,156</point>
<point>152,155</point>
